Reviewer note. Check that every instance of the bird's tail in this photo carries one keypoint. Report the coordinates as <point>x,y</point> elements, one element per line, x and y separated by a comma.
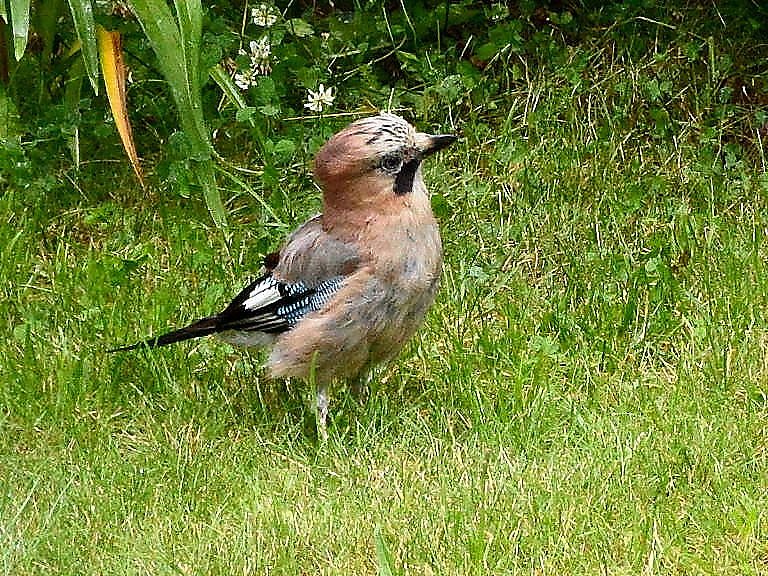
<point>202,327</point>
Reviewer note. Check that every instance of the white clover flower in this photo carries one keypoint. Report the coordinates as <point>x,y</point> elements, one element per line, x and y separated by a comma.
<point>260,51</point>
<point>245,78</point>
<point>264,15</point>
<point>318,100</point>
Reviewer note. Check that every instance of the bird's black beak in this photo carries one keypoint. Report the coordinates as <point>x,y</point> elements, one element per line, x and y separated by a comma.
<point>429,144</point>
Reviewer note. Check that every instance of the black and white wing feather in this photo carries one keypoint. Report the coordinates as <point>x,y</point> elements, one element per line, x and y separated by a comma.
<point>272,306</point>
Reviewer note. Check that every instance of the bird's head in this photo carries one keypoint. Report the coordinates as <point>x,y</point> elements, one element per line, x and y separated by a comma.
<point>375,158</point>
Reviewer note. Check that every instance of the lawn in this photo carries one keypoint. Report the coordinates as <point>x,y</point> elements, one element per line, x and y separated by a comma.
<point>589,394</point>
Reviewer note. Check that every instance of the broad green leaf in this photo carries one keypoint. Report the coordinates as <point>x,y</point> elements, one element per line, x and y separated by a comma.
<point>20,24</point>
<point>486,51</point>
<point>44,21</point>
<point>176,43</point>
<point>270,110</point>
<point>247,114</point>
<point>82,16</point>
<point>173,57</point>
<point>284,148</point>
<point>4,12</point>
<point>190,17</point>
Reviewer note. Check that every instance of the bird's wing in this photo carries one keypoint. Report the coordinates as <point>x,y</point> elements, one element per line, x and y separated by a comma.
<point>272,306</point>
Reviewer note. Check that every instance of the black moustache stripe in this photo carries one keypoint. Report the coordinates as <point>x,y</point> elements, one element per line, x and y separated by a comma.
<point>404,178</point>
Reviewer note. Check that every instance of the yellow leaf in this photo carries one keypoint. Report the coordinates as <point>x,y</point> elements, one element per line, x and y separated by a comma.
<point>113,69</point>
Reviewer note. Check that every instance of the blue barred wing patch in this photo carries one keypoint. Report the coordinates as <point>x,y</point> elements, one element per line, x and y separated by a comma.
<point>308,300</point>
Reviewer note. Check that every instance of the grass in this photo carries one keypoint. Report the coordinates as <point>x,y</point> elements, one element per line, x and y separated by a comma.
<point>588,394</point>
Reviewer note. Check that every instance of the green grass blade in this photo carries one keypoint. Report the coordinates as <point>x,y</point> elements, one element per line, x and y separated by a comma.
<point>249,189</point>
<point>383,555</point>
<point>206,175</point>
<point>224,81</point>
<point>20,24</point>
<point>234,95</point>
<point>71,103</point>
<point>85,25</point>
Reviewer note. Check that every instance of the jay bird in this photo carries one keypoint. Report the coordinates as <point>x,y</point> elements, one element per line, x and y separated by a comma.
<point>350,286</point>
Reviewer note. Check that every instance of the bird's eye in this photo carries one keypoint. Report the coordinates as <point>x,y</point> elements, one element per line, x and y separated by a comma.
<point>391,162</point>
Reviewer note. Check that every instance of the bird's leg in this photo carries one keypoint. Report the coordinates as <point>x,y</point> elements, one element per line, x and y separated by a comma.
<point>322,402</point>
<point>359,388</point>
